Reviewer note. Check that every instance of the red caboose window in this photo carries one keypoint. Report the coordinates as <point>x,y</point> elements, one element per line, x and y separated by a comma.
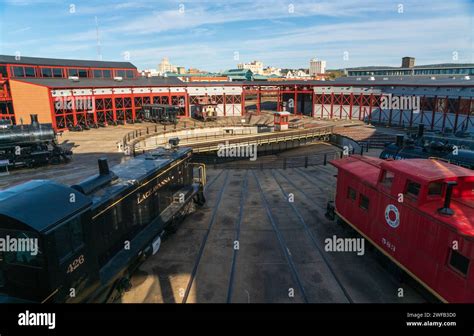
<point>459,262</point>
<point>435,189</point>
<point>413,189</point>
<point>364,202</point>
<point>351,194</point>
<point>387,179</point>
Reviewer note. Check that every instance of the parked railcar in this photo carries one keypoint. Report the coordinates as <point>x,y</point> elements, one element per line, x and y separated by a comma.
<point>419,213</point>
<point>91,236</point>
<point>31,145</point>
<point>160,113</point>
<point>205,109</point>
<point>418,146</point>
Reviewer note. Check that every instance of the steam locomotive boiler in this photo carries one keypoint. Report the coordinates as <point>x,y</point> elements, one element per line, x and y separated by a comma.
<point>31,145</point>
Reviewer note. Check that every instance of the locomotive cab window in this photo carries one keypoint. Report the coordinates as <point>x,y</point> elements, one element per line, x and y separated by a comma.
<point>459,262</point>
<point>413,189</point>
<point>351,194</point>
<point>30,256</point>
<point>364,202</point>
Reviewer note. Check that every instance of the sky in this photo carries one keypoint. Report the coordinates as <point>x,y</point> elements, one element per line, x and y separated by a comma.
<point>216,35</point>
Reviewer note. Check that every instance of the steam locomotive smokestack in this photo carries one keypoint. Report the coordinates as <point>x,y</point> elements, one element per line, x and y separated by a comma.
<point>103,166</point>
<point>421,129</point>
<point>34,120</point>
<point>400,138</point>
<point>446,210</point>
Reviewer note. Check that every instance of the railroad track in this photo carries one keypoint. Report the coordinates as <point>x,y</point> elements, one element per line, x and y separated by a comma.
<point>283,245</point>
<point>309,232</point>
<point>206,235</point>
<point>238,224</point>
<point>381,266</point>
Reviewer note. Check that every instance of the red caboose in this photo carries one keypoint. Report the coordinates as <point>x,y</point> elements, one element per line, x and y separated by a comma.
<point>418,212</point>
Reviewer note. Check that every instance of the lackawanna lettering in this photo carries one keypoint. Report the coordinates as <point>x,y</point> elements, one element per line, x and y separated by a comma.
<point>335,244</point>
<point>9,244</point>
<point>389,102</point>
<point>37,319</point>
<point>237,150</point>
<point>151,191</point>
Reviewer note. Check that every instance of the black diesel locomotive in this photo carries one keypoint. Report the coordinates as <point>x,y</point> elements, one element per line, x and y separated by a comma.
<point>91,236</point>
<point>31,145</point>
<point>417,146</point>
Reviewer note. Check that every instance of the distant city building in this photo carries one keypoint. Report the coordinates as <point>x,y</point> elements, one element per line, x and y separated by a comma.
<point>195,71</point>
<point>238,74</point>
<point>271,71</point>
<point>296,74</point>
<point>207,79</point>
<point>150,73</point>
<point>409,68</point>
<point>317,67</point>
<point>256,67</point>
<point>180,70</point>
<point>165,66</point>
<point>408,62</point>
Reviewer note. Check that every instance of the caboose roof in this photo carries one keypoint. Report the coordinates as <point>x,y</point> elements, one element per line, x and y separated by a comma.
<point>426,170</point>
<point>422,170</point>
<point>364,167</point>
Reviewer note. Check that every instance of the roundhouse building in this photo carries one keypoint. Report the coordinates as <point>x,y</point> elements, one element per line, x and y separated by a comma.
<point>84,92</point>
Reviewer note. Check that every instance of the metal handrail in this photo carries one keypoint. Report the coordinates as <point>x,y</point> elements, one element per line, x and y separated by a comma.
<point>280,163</point>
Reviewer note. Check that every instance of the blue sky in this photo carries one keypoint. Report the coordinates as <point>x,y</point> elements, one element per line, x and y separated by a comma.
<point>209,34</point>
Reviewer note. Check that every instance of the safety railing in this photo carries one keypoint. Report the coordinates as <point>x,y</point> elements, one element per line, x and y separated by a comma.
<point>264,139</point>
<point>318,159</point>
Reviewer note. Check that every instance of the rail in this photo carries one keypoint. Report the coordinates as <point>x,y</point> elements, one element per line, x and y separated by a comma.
<point>130,139</point>
<point>195,137</point>
<point>264,139</point>
<point>279,163</point>
<point>160,129</point>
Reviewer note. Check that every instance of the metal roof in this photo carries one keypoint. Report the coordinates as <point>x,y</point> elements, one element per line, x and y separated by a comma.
<point>5,59</point>
<point>173,81</point>
<point>39,204</point>
<point>427,66</point>
<point>98,82</point>
<point>403,80</point>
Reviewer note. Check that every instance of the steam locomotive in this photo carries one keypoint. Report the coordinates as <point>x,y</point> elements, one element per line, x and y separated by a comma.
<point>417,146</point>
<point>31,145</point>
<point>91,236</point>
